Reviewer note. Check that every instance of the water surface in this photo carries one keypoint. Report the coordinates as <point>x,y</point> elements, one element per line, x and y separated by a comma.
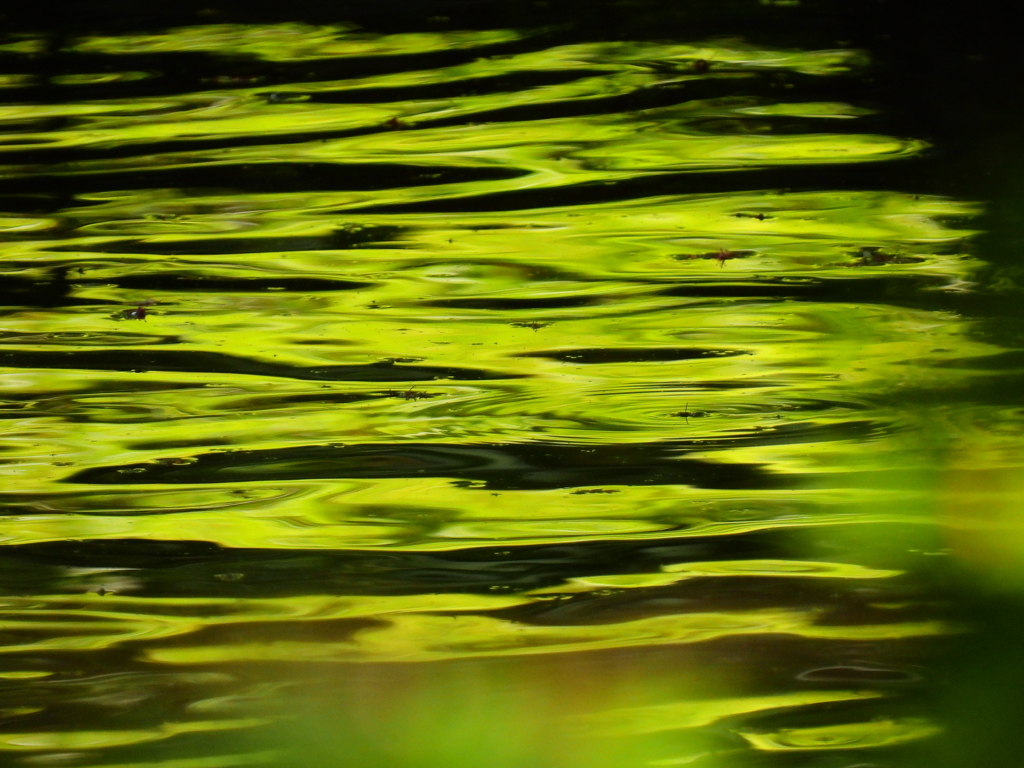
<point>501,394</point>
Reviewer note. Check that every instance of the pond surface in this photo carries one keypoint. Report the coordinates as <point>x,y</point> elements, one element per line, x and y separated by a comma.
<point>501,387</point>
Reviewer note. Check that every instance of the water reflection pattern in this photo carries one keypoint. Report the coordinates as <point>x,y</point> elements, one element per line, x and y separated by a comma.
<point>527,352</point>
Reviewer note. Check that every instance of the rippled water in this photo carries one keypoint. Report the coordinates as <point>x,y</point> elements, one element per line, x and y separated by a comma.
<point>459,395</point>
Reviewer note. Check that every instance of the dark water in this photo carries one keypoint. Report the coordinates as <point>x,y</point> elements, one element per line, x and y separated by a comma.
<point>508,385</point>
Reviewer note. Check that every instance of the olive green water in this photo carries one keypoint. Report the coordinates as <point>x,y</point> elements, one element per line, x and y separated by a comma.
<point>500,400</point>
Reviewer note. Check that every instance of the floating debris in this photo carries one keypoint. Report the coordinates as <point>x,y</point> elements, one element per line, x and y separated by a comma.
<point>721,256</point>
<point>233,79</point>
<point>873,256</point>
<point>688,414</point>
<point>278,97</point>
<point>409,394</point>
<point>139,313</point>
<point>583,491</point>
<point>534,324</point>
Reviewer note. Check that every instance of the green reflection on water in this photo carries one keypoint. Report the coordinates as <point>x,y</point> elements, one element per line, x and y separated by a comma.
<point>288,42</point>
<point>389,324</point>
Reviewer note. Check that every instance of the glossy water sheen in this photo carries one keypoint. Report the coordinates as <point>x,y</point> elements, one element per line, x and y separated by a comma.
<point>501,398</point>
